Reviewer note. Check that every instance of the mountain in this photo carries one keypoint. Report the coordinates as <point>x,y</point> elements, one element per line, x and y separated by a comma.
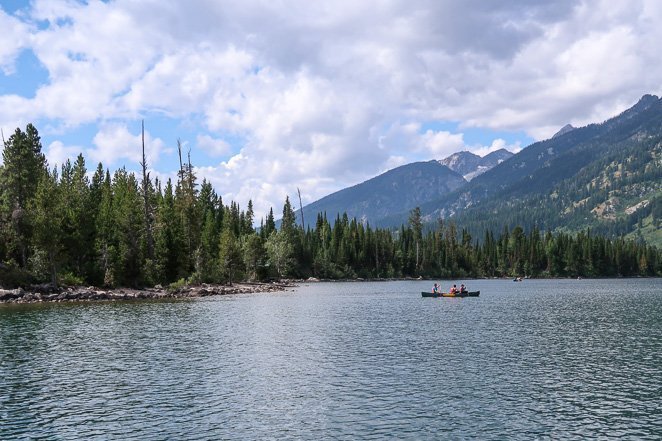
<point>400,189</point>
<point>604,176</point>
<point>565,129</point>
<point>462,162</point>
<point>470,165</point>
<point>488,162</point>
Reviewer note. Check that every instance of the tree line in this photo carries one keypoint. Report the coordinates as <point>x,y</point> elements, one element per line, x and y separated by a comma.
<point>60,226</point>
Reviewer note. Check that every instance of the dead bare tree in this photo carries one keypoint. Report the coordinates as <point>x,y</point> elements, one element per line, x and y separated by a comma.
<point>181,166</point>
<point>303,225</point>
<point>146,202</point>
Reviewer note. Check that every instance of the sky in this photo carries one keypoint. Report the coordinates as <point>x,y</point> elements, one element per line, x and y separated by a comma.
<point>269,97</point>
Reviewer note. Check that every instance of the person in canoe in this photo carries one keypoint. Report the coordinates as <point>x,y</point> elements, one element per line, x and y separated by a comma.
<point>463,288</point>
<point>435,288</point>
<point>453,290</point>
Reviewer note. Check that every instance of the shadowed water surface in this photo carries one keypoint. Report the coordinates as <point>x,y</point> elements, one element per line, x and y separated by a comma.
<point>537,359</point>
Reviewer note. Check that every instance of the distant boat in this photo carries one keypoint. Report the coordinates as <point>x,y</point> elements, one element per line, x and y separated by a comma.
<point>447,294</point>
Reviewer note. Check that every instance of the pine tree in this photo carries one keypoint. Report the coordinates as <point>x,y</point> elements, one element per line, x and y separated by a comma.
<point>78,217</point>
<point>168,242</point>
<point>416,224</point>
<point>248,219</point>
<point>206,265</point>
<point>105,226</point>
<point>47,219</point>
<point>229,257</point>
<point>253,253</point>
<point>288,223</point>
<point>24,165</point>
<point>185,203</point>
<point>269,224</point>
<point>128,215</point>
<point>147,192</point>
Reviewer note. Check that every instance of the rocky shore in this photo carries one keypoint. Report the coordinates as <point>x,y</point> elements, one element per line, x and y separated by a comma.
<point>47,293</point>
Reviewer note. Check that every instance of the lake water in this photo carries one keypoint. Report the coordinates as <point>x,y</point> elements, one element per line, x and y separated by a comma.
<point>538,359</point>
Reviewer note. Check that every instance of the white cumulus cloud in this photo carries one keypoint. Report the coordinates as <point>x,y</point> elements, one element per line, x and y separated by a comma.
<point>15,37</point>
<point>114,142</point>
<point>323,94</point>
<point>213,146</point>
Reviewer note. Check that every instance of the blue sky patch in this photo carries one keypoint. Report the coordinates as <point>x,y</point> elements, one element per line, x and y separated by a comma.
<point>29,74</point>
<point>13,6</point>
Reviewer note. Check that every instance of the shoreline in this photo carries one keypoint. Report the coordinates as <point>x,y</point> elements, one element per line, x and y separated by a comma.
<point>48,294</point>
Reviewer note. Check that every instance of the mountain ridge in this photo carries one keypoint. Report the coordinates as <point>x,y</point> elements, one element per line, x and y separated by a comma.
<point>565,129</point>
<point>546,174</point>
<point>470,165</point>
<point>604,176</point>
<point>406,186</point>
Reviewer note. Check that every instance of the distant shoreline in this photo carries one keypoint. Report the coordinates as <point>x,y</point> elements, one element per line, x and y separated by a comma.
<point>47,294</point>
<point>450,279</point>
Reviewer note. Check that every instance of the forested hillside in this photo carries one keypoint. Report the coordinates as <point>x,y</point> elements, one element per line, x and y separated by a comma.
<point>607,177</point>
<point>618,194</point>
<point>59,226</point>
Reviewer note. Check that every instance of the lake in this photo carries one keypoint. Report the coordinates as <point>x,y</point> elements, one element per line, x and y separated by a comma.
<point>349,360</point>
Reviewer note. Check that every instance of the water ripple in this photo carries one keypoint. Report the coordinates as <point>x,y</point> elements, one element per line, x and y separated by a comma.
<point>540,359</point>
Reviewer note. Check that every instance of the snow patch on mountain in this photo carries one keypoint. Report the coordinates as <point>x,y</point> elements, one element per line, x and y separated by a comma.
<point>470,165</point>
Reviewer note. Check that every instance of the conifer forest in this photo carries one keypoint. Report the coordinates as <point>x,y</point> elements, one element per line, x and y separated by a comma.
<point>59,225</point>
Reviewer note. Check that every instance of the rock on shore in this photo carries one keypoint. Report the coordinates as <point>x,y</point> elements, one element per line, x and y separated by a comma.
<point>46,293</point>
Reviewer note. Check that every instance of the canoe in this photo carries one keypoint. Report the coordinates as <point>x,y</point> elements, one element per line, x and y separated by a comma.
<point>447,294</point>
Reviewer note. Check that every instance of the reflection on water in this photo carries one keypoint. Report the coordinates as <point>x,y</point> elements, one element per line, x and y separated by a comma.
<point>538,359</point>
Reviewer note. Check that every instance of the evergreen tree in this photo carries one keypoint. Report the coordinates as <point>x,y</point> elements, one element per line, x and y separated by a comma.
<point>187,211</point>
<point>229,257</point>
<point>270,224</point>
<point>416,224</point>
<point>24,165</point>
<point>168,242</point>
<point>253,254</point>
<point>206,265</point>
<point>128,216</point>
<point>105,239</point>
<point>288,223</point>
<point>78,218</point>
<point>248,219</point>
<point>47,217</point>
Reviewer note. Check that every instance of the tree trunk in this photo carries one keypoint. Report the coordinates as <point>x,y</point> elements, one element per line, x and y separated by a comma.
<point>51,257</point>
<point>148,223</point>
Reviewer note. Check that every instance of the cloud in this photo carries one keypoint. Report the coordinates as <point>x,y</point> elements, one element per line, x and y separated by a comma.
<point>585,68</point>
<point>15,37</point>
<point>212,146</point>
<point>441,144</point>
<point>497,144</point>
<point>324,95</point>
<point>300,132</point>
<point>435,144</point>
<point>115,143</point>
<point>57,153</point>
<point>186,79</point>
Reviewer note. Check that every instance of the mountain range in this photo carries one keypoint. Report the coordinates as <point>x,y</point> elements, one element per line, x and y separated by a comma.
<point>606,176</point>
<point>470,165</point>
<point>401,188</point>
